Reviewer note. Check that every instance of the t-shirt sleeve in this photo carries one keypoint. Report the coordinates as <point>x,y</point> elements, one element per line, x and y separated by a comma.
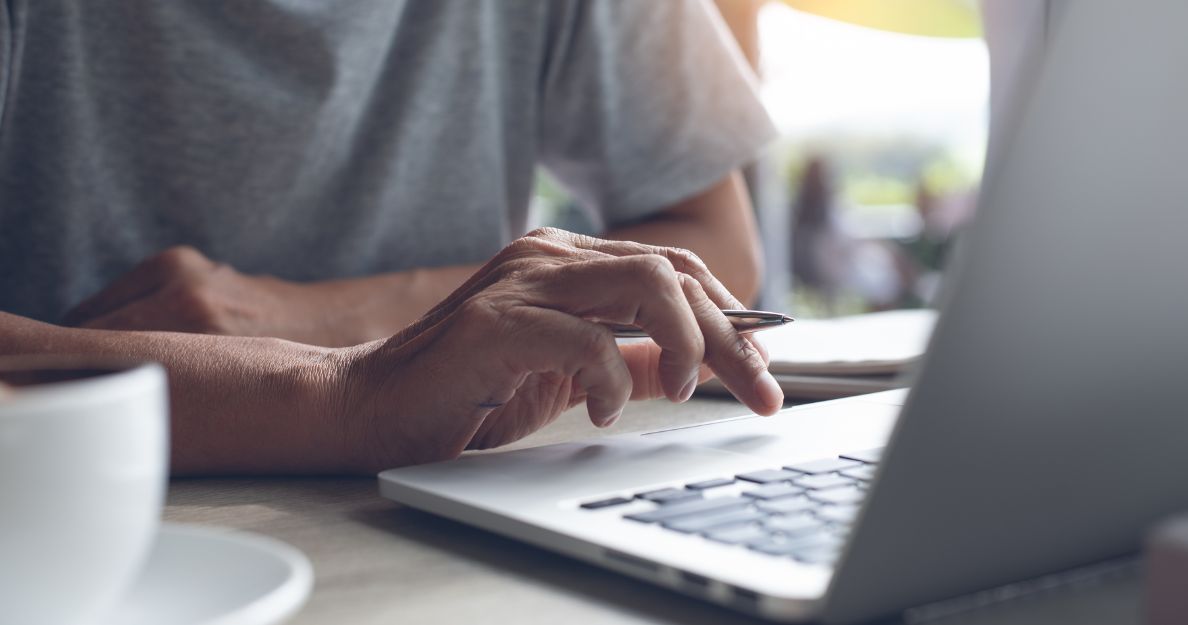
<point>644,103</point>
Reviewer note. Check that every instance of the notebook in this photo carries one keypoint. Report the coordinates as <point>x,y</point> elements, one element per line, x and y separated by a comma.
<point>843,356</point>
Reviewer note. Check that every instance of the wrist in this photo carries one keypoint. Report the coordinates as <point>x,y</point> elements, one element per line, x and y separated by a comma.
<point>345,404</point>
<point>312,386</point>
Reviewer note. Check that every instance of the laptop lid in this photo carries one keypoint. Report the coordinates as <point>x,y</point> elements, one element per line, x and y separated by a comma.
<point>1047,428</point>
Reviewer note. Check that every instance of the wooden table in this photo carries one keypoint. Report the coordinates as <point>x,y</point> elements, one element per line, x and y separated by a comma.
<point>378,562</point>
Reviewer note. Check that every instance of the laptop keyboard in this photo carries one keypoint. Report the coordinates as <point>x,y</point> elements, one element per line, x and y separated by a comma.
<point>801,511</point>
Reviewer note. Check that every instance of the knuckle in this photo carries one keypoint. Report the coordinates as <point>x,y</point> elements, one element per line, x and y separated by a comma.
<point>687,260</point>
<point>199,308</point>
<point>221,269</point>
<point>526,248</point>
<point>657,270</point>
<point>178,257</point>
<point>542,243</point>
<point>692,287</point>
<point>177,264</point>
<point>597,341</point>
<point>746,353</point>
<point>519,248</point>
<point>585,240</point>
<point>548,233</point>
<point>192,298</point>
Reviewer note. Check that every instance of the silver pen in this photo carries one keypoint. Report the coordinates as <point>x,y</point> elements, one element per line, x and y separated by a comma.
<point>745,322</point>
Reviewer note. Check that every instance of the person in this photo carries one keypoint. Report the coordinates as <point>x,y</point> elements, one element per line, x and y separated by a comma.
<point>315,216</point>
<point>831,262</point>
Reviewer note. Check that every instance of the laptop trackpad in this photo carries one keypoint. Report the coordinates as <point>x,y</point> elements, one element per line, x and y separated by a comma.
<point>579,469</point>
<point>803,434</point>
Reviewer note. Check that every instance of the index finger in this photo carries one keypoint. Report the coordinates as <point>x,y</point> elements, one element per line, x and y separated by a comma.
<point>684,261</point>
<point>735,359</point>
<point>641,290</point>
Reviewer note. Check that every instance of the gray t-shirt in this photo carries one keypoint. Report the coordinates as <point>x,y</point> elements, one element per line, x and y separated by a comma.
<point>314,140</point>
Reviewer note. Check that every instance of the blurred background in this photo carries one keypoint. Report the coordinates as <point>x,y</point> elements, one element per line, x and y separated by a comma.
<point>882,110</point>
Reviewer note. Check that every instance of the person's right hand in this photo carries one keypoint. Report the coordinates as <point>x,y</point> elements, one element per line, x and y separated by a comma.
<point>520,342</point>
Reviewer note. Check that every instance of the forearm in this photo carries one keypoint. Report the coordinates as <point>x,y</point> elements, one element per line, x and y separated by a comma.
<point>717,225</point>
<point>237,404</point>
<point>375,307</point>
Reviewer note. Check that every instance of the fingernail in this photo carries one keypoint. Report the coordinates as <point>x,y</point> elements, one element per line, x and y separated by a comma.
<point>690,386</point>
<point>769,391</point>
<point>609,421</point>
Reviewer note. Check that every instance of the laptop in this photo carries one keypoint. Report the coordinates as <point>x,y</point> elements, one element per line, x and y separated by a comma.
<point>1047,427</point>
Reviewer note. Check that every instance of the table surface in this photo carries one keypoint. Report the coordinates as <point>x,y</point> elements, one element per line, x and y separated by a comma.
<point>376,561</point>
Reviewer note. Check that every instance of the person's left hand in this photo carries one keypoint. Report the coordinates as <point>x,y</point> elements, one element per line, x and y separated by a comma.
<point>181,290</point>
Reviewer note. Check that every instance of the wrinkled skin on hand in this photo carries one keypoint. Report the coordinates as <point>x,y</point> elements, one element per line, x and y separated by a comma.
<point>523,340</point>
<point>181,290</point>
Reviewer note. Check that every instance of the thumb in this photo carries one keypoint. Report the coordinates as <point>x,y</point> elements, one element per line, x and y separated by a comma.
<point>643,363</point>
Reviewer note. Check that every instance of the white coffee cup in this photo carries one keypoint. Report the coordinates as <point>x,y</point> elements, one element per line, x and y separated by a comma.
<point>83,467</point>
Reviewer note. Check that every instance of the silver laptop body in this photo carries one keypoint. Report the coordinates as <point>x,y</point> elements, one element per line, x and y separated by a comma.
<point>1048,427</point>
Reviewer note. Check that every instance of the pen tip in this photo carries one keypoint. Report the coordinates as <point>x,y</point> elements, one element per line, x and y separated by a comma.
<point>787,319</point>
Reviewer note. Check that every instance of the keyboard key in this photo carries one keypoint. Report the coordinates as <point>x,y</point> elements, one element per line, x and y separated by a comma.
<point>738,534</point>
<point>708,484</point>
<point>870,456</point>
<point>772,547</point>
<point>865,472</point>
<point>773,491</point>
<point>838,514</point>
<point>681,495</point>
<point>821,482</point>
<point>819,541</point>
<point>793,525</point>
<point>767,476</point>
<point>605,503</point>
<point>841,531</point>
<point>669,495</point>
<point>686,508</point>
<point>820,549</point>
<point>824,554</point>
<point>780,545</point>
<point>699,523</point>
<point>824,465</point>
<point>839,495</point>
<point>788,505</point>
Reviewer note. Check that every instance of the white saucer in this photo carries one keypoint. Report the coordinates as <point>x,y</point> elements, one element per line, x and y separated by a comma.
<point>206,576</point>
